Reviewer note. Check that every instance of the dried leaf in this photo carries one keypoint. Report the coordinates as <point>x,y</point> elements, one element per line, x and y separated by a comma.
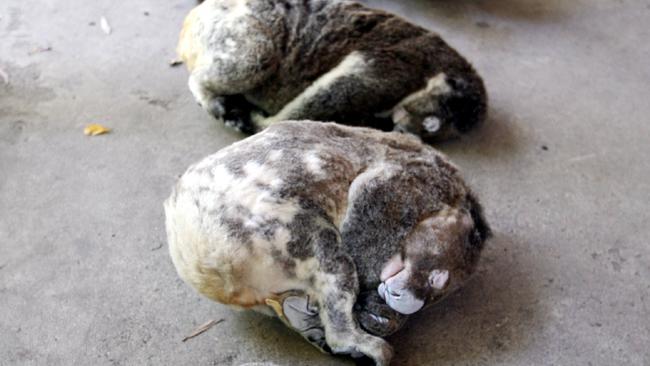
<point>175,62</point>
<point>4,76</point>
<point>202,329</point>
<point>95,129</point>
<point>105,26</point>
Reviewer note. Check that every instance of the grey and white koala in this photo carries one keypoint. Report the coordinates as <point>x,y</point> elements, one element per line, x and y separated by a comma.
<point>340,215</point>
<point>257,62</point>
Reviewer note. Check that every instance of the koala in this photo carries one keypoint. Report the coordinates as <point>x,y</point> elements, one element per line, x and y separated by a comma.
<point>342,231</point>
<point>253,63</point>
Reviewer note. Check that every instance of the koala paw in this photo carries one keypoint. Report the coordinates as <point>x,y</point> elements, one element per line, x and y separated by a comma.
<point>375,316</point>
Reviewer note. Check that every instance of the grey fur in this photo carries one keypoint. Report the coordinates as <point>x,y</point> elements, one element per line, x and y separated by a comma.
<point>259,58</point>
<point>361,197</point>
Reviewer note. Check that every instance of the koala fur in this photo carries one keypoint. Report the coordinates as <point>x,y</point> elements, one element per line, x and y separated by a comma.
<point>333,212</point>
<point>256,62</point>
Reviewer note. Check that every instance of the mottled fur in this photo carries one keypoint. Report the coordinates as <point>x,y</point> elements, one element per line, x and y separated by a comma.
<point>321,208</point>
<point>257,62</point>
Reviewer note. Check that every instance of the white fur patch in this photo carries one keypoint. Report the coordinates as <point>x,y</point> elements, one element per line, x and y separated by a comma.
<point>230,42</point>
<point>314,164</point>
<point>281,237</point>
<point>245,191</point>
<point>306,268</point>
<point>380,171</point>
<point>438,279</point>
<point>274,155</point>
<point>436,85</point>
<point>266,277</point>
<point>200,94</point>
<point>352,64</point>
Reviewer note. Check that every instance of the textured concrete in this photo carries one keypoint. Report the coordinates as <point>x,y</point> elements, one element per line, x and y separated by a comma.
<point>562,168</point>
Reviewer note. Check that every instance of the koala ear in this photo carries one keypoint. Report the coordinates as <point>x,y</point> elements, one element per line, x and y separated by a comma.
<point>431,124</point>
<point>438,279</point>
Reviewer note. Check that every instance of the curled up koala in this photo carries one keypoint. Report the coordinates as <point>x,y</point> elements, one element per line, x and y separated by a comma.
<point>253,63</point>
<point>342,232</point>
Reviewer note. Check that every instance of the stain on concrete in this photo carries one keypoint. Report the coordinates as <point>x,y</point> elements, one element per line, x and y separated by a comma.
<point>164,104</point>
<point>152,101</point>
<point>225,360</point>
<point>616,259</point>
<point>25,89</point>
<point>11,132</point>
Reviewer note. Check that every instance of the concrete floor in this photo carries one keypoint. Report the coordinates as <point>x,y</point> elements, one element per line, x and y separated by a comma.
<point>562,168</point>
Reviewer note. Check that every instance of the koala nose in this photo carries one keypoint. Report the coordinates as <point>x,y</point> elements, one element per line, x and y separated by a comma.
<point>402,301</point>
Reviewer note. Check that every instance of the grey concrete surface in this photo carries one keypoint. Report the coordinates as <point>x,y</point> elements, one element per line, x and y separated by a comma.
<point>562,167</point>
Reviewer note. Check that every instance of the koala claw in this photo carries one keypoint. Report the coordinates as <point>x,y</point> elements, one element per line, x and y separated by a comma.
<point>379,319</point>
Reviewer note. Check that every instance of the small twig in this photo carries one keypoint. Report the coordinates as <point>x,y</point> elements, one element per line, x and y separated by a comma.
<point>158,247</point>
<point>580,158</point>
<point>175,62</point>
<point>103,22</point>
<point>203,328</point>
<point>39,50</point>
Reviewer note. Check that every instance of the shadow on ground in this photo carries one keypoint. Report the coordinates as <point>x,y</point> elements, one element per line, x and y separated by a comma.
<point>498,138</point>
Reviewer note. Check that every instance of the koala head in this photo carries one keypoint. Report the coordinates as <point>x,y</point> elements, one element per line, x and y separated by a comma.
<point>439,256</point>
<point>447,107</point>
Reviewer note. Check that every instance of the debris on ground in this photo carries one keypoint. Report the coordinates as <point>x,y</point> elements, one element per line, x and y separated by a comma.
<point>4,76</point>
<point>201,329</point>
<point>39,50</point>
<point>95,129</point>
<point>175,62</point>
<point>103,22</point>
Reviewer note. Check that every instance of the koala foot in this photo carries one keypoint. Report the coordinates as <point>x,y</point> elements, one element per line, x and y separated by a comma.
<point>300,314</point>
<point>303,317</point>
<point>238,112</point>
